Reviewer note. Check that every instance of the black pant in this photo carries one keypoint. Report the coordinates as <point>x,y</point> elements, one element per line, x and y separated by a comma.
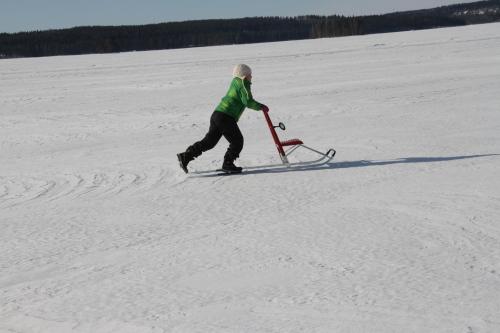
<point>220,125</point>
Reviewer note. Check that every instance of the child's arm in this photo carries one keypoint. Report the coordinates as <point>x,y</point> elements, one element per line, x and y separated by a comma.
<point>247,98</point>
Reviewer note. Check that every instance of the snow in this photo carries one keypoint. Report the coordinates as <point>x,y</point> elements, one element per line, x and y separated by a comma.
<point>102,232</point>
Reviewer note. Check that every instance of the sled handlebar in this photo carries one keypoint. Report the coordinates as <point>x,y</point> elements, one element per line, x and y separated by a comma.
<point>270,123</point>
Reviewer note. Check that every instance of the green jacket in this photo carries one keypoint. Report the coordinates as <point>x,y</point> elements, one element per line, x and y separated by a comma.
<point>237,99</point>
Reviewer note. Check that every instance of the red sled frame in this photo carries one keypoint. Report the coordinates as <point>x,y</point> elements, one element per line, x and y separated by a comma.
<point>294,144</point>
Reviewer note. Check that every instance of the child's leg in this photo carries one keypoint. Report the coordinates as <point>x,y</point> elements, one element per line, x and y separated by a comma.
<point>208,142</point>
<point>231,131</point>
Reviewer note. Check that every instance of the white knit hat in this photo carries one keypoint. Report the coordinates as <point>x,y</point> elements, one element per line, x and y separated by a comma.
<point>242,71</point>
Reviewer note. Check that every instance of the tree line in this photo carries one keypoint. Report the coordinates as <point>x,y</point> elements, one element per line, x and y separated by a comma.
<point>109,39</point>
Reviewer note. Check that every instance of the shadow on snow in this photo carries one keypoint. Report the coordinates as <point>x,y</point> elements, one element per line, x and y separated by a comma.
<point>354,164</point>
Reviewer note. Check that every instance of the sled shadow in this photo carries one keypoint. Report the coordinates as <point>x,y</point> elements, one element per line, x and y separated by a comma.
<point>360,164</point>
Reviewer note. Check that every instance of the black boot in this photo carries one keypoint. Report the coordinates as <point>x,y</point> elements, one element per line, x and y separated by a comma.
<point>184,159</point>
<point>229,167</point>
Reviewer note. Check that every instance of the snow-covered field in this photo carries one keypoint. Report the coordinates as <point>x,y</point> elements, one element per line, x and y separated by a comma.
<point>102,232</point>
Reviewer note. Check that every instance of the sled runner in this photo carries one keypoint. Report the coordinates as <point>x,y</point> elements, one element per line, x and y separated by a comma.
<point>291,146</point>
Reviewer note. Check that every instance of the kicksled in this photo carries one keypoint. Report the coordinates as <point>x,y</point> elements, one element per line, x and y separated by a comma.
<point>285,150</point>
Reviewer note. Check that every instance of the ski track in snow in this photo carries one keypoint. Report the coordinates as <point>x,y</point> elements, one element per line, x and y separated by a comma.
<point>18,190</point>
<point>102,232</point>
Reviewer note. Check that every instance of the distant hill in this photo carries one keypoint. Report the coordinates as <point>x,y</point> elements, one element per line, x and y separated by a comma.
<point>109,39</point>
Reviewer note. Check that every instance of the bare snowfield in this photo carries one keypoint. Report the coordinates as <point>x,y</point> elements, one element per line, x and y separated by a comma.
<point>102,232</point>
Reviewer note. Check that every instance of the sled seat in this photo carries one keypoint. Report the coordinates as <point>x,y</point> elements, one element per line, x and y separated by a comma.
<point>292,142</point>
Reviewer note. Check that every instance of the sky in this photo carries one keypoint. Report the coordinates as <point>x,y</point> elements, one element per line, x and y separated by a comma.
<point>28,15</point>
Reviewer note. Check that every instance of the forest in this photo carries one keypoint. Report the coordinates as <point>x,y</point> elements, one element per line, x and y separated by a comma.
<point>110,39</point>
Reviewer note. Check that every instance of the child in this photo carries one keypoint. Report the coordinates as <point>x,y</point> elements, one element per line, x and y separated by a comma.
<point>223,122</point>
